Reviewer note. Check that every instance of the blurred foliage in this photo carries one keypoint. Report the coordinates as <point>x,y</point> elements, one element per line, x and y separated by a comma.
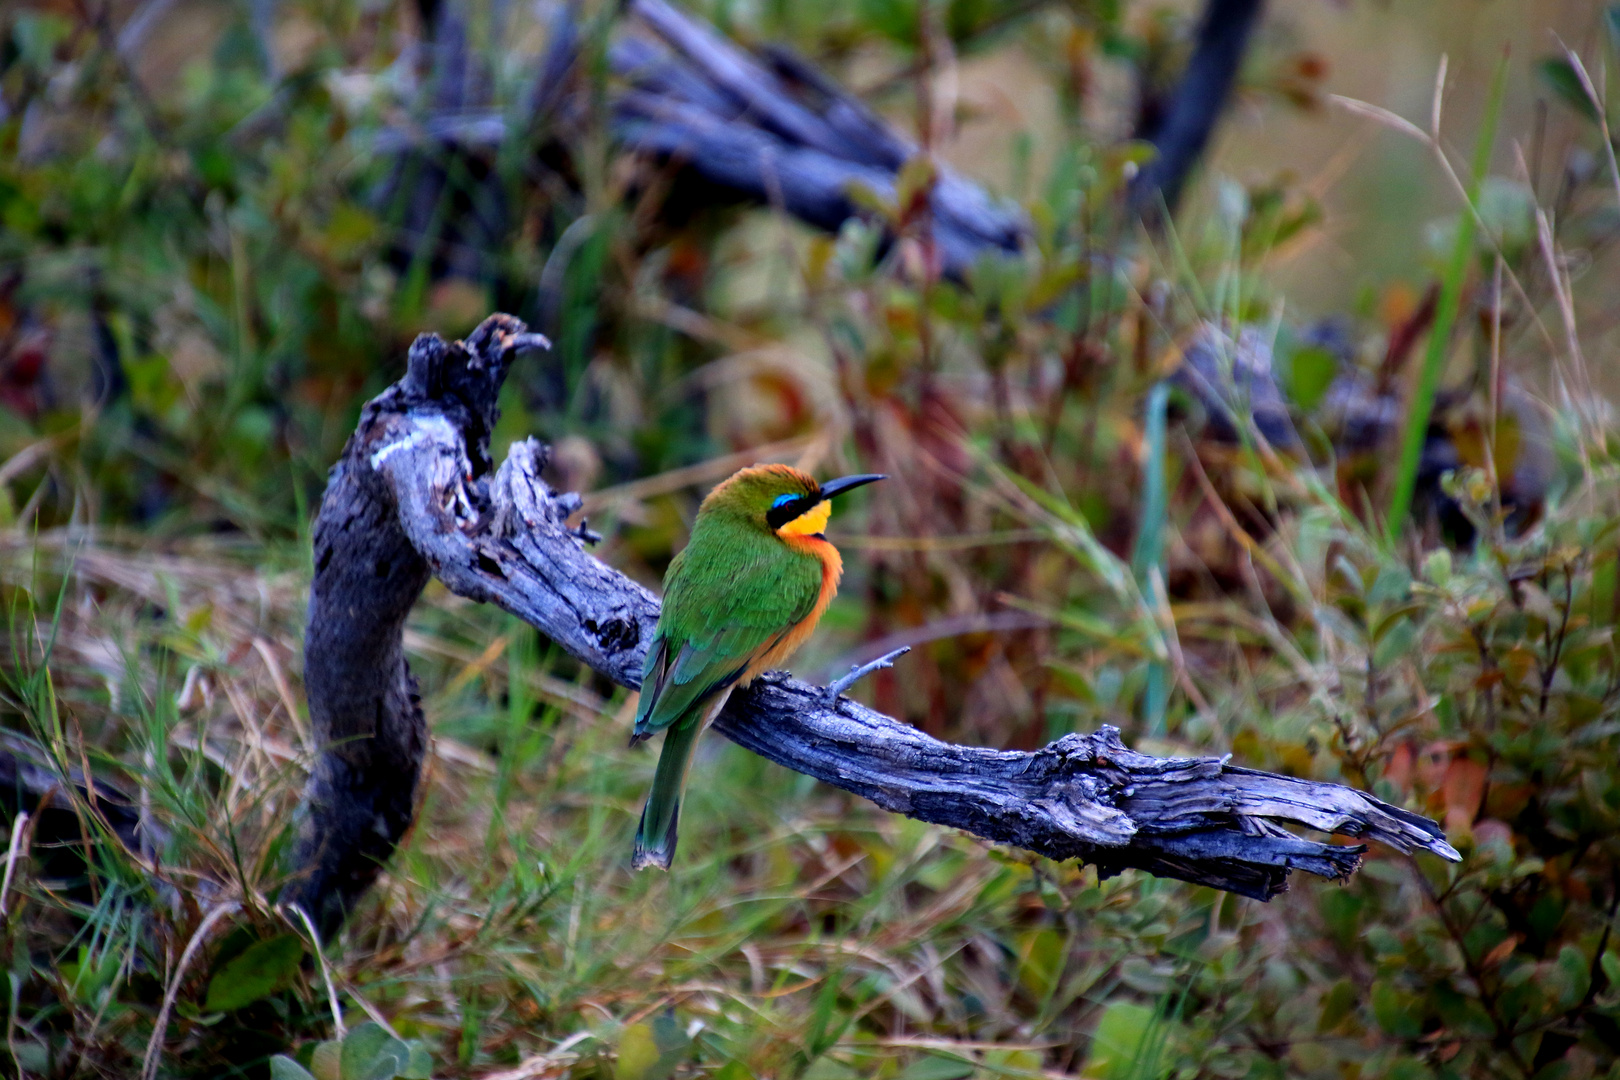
<point>210,257</point>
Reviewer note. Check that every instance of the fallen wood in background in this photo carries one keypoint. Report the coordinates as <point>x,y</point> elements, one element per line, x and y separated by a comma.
<point>784,135</point>
<point>51,793</point>
<point>416,495</point>
<point>775,131</point>
<point>772,132</point>
<point>1181,131</point>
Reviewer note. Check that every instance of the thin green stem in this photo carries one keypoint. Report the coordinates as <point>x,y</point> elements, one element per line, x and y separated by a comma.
<point>1451,287</point>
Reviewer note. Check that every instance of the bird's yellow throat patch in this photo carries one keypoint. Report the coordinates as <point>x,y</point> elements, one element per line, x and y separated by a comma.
<point>809,523</point>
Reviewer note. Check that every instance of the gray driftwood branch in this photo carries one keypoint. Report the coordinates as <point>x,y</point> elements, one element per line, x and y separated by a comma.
<point>769,131</point>
<point>416,495</point>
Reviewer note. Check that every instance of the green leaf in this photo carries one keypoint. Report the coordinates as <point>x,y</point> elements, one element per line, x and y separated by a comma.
<point>1042,956</point>
<point>1392,585</point>
<point>420,1066</point>
<point>36,36</point>
<point>32,1057</point>
<point>1611,967</point>
<point>825,1068</point>
<point>1548,911</point>
<point>88,976</point>
<point>1341,914</point>
<point>653,1049</point>
<point>915,178</point>
<point>1508,210</point>
<point>1148,553</point>
<point>1012,1062</point>
<point>1437,567</point>
<point>1397,1013</point>
<point>868,198</point>
<point>258,971</point>
<point>638,1053</point>
<point>1117,1042</point>
<point>371,1052</point>
<point>1410,1069</point>
<point>1311,372</point>
<point>1575,975</point>
<point>894,19</point>
<point>934,1067</point>
<point>1338,1004</point>
<point>326,1060</point>
<point>1563,80</point>
<point>283,1067</point>
<point>1395,639</point>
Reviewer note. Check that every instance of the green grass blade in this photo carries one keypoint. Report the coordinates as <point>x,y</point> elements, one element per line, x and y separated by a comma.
<point>1148,555</point>
<point>1451,286</point>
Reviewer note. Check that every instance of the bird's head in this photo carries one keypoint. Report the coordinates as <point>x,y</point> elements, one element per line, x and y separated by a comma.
<point>780,499</point>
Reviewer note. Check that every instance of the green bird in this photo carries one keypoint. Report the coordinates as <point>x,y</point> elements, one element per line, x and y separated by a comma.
<point>739,599</point>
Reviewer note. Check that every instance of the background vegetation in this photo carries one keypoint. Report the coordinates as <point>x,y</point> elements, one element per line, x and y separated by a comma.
<point>205,267</point>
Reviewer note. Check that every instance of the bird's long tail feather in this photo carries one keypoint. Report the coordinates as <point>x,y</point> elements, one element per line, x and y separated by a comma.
<point>655,839</point>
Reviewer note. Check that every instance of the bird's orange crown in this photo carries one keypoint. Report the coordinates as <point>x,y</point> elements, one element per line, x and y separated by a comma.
<point>779,499</point>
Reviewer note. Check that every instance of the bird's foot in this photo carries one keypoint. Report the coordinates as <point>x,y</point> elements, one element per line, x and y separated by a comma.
<point>859,672</point>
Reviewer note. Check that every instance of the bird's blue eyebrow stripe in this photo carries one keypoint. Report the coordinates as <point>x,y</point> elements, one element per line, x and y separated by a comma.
<point>782,500</point>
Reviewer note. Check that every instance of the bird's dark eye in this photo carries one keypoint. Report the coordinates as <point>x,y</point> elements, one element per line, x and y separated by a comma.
<point>786,507</point>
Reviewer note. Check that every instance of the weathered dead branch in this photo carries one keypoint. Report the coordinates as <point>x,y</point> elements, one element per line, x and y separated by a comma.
<point>416,495</point>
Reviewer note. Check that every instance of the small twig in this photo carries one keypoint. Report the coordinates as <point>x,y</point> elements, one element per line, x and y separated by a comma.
<point>1166,620</point>
<point>220,911</point>
<point>278,678</point>
<point>1489,996</point>
<point>541,1065</point>
<point>861,671</point>
<point>1493,393</point>
<point>1599,108</point>
<point>11,1022</point>
<point>369,1009</point>
<point>1437,103</point>
<point>1396,122</point>
<point>28,456</point>
<point>18,823</point>
<point>320,958</point>
<point>1550,671</point>
<point>1000,622</point>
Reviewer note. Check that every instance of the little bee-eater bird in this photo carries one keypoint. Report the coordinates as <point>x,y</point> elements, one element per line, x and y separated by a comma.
<point>739,599</point>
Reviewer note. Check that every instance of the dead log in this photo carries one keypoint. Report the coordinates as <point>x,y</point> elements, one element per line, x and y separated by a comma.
<point>415,494</point>
<point>772,133</point>
<point>1180,128</point>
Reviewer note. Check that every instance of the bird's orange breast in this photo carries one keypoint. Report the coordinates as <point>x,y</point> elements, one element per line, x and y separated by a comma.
<point>832,568</point>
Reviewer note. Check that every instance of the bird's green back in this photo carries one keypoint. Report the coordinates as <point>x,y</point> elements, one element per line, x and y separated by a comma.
<point>728,596</point>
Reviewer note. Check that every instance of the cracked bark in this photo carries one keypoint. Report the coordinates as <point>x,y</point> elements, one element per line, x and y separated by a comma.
<point>415,495</point>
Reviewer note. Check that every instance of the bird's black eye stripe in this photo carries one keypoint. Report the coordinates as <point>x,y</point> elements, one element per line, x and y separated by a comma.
<point>785,508</point>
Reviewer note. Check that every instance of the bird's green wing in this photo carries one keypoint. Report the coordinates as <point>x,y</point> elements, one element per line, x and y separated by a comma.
<point>727,599</point>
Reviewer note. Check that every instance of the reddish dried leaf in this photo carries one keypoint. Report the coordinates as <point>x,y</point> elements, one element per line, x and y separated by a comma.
<point>1502,951</point>
<point>1464,790</point>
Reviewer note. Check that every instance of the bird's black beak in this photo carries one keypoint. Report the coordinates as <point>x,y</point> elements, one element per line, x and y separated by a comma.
<point>848,483</point>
